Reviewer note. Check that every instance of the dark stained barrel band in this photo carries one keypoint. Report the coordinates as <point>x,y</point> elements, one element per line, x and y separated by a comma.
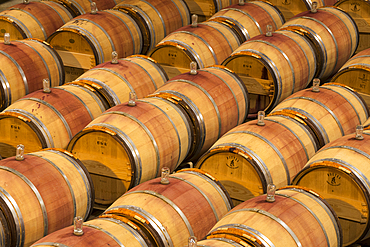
<point>42,132</point>
<point>154,222</point>
<point>18,24</point>
<point>13,207</point>
<point>23,75</point>
<point>261,166</point>
<point>258,235</point>
<point>274,218</point>
<point>132,148</point>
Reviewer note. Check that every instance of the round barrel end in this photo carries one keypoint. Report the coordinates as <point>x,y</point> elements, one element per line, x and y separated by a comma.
<point>109,160</point>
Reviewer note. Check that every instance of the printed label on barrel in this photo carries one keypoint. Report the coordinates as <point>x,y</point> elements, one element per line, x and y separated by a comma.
<point>236,174</point>
<point>333,179</point>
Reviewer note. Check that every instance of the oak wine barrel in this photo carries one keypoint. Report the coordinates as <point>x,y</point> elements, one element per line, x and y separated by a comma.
<point>212,113</point>
<point>339,173</point>
<point>208,44</point>
<point>24,64</point>
<point>89,39</point>
<point>250,19</point>
<point>156,18</point>
<point>273,67</point>
<point>355,74</point>
<point>47,120</point>
<point>250,156</point>
<point>127,145</point>
<point>297,217</point>
<point>359,10</point>
<point>334,35</point>
<point>37,19</point>
<point>169,214</point>
<point>332,112</point>
<point>42,193</point>
<point>136,73</point>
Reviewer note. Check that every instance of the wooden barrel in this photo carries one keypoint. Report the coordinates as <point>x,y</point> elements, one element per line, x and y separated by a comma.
<point>156,18</point>
<point>291,8</point>
<point>90,39</point>
<point>333,33</point>
<point>331,113</point>
<point>212,114</point>
<point>207,44</point>
<point>297,217</point>
<point>48,189</point>
<point>23,66</point>
<point>251,18</point>
<point>169,219</point>
<point>33,20</point>
<point>339,172</point>
<point>355,74</point>
<point>45,120</point>
<point>359,11</point>
<point>127,145</point>
<point>207,8</point>
<point>79,7</point>
<point>249,157</point>
<point>112,232</point>
<point>137,73</point>
<point>273,67</point>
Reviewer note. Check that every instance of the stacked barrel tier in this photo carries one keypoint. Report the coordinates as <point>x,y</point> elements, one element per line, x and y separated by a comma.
<point>105,231</point>
<point>127,145</point>
<point>355,73</point>
<point>207,8</point>
<point>211,42</point>
<point>207,43</point>
<point>252,155</point>
<point>331,112</point>
<point>340,173</point>
<point>293,216</point>
<point>80,7</point>
<point>359,10</point>
<point>89,39</point>
<point>291,8</point>
<point>273,66</point>
<point>215,99</point>
<point>172,209</point>
<point>24,64</point>
<point>115,80</point>
<point>250,19</point>
<point>47,120</point>
<point>334,36</point>
<point>41,192</point>
<point>156,18</point>
<point>38,19</point>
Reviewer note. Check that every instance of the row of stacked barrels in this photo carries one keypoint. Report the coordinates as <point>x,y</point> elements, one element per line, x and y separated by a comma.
<point>155,208</point>
<point>135,28</point>
<point>121,136</point>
